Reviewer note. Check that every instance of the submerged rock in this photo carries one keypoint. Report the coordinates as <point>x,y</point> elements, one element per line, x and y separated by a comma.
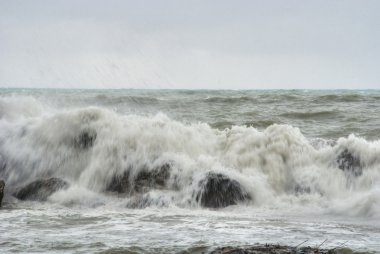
<point>2,186</point>
<point>152,179</point>
<point>119,183</point>
<point>145,179</point>
<point>349,163</point>
<point>41,189</point>
<point>85,139</point>
<point>218,190</point>
<point>301,189</point>
<point>273,249</point>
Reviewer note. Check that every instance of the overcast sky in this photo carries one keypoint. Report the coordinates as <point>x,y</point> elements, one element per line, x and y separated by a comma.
<point>217,44</point>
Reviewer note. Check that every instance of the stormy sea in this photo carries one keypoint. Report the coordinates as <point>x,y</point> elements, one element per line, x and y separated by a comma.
<point>188,171</point>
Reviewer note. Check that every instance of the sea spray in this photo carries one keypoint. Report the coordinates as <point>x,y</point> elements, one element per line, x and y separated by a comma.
<point>150,171</point>
<point>89,146</point>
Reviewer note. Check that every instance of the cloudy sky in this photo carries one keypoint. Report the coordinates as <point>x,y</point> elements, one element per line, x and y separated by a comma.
<point>218,44</point>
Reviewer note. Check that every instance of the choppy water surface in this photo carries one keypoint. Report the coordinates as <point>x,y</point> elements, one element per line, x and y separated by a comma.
<point>281,146</point>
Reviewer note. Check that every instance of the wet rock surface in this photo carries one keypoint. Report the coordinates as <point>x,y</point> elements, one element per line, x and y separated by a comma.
<point>218,190</point>
<point>40,189</point>
<point>145,179</point>
<point>2,186</point>
<point>271,249</point>
<point>301,189</point>
<point>119,183</point>
<point>152,179</point>
<point>349,163</point>
<point>85,139</point>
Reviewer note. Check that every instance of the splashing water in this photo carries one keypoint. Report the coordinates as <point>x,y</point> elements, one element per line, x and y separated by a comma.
<point>149,162</point>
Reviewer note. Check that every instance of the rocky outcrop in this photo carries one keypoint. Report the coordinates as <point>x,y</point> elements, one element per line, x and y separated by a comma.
<point>40,189</point>
<point>273,249</point>
<point>349,163</point>
<point>152,179</point>
<point>2,186</point>
<point>85,139</point>
<point>218,190</point>
<point>119,183</point>
<point>144,180</point>
<point>301,189</point>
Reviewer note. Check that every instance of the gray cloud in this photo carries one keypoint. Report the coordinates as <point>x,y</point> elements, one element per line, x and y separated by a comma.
<point>189,44</point>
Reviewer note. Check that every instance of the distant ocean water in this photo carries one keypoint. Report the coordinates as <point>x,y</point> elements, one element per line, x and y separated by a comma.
<point>309,161</point>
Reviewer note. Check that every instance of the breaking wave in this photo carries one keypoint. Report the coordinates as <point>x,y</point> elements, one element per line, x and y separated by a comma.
<point>94,156</point>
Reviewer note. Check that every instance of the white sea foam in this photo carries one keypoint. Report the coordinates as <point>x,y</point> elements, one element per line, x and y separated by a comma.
<point>278,166</point>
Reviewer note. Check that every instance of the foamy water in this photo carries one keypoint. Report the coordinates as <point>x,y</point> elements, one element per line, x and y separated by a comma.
<point>282,147</point>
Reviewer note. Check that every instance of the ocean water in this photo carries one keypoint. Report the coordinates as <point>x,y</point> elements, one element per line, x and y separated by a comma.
<point>283,147</point>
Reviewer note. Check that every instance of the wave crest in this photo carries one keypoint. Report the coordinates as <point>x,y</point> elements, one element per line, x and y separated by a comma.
<point>88,147</point>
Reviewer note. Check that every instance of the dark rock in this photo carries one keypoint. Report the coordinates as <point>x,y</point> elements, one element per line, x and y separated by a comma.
<point>300,189</point>
<point>218,190</point>
<point>272,249</point>
<point>349,163</point>
<point>2,186</point>
<point>85,139</point>
<point>152,179</point>
<point>119,183</point>
<point>145,179</point>
<point>41,189</point>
